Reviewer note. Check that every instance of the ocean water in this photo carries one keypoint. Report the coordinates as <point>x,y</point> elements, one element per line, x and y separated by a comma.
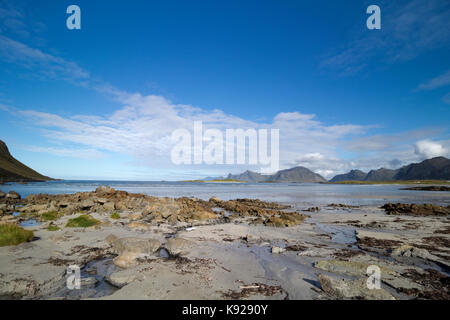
<point>299,195</point>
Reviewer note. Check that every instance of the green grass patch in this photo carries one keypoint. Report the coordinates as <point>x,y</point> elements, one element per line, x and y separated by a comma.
<point>11,235</point>
<point>83,221</point>
<point>115,216</point>
<point>53,228</point>
<point>50,216</point>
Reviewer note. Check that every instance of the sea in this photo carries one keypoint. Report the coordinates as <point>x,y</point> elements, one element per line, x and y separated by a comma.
<point>300,195</point>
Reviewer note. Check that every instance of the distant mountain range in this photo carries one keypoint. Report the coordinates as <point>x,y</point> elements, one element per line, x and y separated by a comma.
<point>296,174</point>
<point>432,169</point>
<point>13,170</point>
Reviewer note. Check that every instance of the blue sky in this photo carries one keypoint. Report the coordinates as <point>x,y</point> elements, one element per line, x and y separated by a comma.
<point>101,102</point>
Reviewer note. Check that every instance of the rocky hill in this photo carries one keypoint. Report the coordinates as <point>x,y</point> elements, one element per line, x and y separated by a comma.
<point>296,174</point>
<point>13,170</point>
<point>381,175</point>
<point>432,169</point>
<point>249,176</point>
<point>354,175</point>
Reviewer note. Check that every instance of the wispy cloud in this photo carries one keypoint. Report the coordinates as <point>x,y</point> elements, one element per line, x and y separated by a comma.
<point>409,28</point>
<point>446,98</point>
<point>142,129</point>
<point>66,152</point>
<point>438,82</point>
<point>42,63</point>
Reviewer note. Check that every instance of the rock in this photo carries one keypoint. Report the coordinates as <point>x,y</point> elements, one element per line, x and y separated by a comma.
<point>286,219</point>
<point>130,249</point>
<point>203,215</point>
<point>122,278</point>
<point>13,195</point>
<point>173,219</point>
<point>350,268</point>
<point>138,245</point>
<point>178,246</point>
<point>88,282</point>
<point>410,251</point>
<point>36,208</point>
<point>109,206</point>
<point>359,269</point>
<point>135,216</point>
<point>105,190</point>
<point>2,195</point>
<point>87,204</point>
<point>121,205</point>
<point>426,209</point>
<point>278,250</point>
<point>429,188</point>
<point>317,252</point>
<point>111,238</point>
<point>352,289</point>
<point>100,201</point>
<point>126,260</point>
<point>214,199</point>
<point>139,226</point>
<point>341,205</point>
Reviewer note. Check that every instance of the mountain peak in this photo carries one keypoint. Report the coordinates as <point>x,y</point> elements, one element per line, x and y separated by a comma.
<point>437,168</point>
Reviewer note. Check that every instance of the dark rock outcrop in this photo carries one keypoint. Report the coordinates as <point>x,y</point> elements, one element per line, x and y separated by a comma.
<point>381,175</point>
<point>416,209</point>
<point>432,169</point>
<point>12,170</point>
<point>296,175</point>
<point>353,175</point>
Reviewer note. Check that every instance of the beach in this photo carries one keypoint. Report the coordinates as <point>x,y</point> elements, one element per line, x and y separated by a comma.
<point>276,242</point>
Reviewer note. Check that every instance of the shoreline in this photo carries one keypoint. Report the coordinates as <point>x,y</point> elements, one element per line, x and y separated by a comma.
<point>175,248</point>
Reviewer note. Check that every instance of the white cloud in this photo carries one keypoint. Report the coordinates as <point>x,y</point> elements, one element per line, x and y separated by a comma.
<point>143,125</point>
<point>430,149</point>
<point>440,81</point>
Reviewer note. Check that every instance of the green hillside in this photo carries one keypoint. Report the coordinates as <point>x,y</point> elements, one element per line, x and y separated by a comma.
<point>13,170</point>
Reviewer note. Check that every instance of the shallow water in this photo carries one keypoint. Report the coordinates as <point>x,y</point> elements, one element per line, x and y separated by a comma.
<point>98,269</point>
<point>299,195</point>
<point>29,223</point>
<point>338,234</point>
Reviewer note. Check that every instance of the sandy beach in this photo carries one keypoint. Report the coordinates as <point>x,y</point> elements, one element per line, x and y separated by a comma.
<point>144,247</point>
